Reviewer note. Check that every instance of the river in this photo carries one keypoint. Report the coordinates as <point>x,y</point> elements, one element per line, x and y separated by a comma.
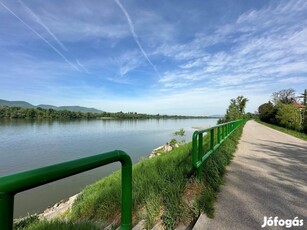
<point>26,145</point>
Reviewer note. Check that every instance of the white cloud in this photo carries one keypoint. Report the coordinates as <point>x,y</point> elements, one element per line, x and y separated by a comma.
<point>126,62</point>
<point>41,37</point>
<point>80,21</point>
<point>269,44</point>
<point>39,21</point>
<point>294,80</point>
<point>134,35</point>
<point>82,66</point>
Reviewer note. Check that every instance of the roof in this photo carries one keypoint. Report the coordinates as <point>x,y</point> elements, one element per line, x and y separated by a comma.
<point>298,105</point>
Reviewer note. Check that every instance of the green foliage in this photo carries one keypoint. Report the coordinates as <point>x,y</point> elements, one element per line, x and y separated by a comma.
<point>181,134</point>
<point>153,209</point>
<point>7,112</point>
<point>240,102</point>
<point>283,112</point>
<point>267,112</point>
<point>235,110</point>
<point>154,181</point>
<point>305,121</point>
<point>288,116</point>
<point>287,131</point>
<point>25,222</point>
<point>250,116</point>
<point>40,113</point>
<point>173,142</point>
<point>205,202</point>
<point>63,225</point>
<point>304,96</point>
<point>214,169</point>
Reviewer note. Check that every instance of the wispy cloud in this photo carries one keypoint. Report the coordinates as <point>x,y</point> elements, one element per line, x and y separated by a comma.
<point>260,47</point>
<point>134,35</point>
<point>82,66</point>
<point>37,19</point>
<point>41,37</point>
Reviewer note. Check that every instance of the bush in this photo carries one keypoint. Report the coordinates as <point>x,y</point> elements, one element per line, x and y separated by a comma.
<point>289,116</point>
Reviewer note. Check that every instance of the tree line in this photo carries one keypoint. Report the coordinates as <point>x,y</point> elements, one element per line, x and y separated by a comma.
<point>286,109</point>
<point>7,112</point>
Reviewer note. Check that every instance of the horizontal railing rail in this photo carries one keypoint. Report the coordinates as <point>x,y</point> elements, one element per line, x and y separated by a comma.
<point>12,184</point>
<point>217,135</point>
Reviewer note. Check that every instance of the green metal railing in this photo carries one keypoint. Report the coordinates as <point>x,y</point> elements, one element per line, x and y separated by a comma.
<point>12,184</point>
<point>217,136</point>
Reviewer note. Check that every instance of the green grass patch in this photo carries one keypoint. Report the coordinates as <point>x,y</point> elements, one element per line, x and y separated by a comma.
<point>63,225</point>
<point>158,184</point>
<point>165,188</point>
<point>214,169</point>
<point>294,133</point>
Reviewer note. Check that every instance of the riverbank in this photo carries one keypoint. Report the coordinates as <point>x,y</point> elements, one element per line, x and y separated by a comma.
<point>62,207</point>
<point>172,196</point>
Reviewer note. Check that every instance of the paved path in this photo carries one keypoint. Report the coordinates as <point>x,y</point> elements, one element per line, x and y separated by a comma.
<point>267,177</point>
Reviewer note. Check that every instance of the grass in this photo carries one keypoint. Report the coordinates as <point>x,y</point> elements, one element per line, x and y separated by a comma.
<point>214,169</point>
<point>291,132</point>
<point>165,189</point>
<point>61,225</point>
<point>158,184</point>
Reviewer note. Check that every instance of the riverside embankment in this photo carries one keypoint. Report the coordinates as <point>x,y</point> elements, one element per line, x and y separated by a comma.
<point>165,191</point>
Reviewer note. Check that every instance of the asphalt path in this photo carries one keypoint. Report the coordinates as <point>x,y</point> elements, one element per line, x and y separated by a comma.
<point>267,177</point>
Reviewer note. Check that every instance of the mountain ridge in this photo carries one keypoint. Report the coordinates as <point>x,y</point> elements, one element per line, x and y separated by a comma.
<point>24,104</point>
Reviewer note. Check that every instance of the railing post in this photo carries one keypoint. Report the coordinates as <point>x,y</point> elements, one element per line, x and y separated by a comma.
<point>126,223</point>
<point>218,135</point>
<point>211,139</point>
<point>199,156</point>
<point>6,211</point>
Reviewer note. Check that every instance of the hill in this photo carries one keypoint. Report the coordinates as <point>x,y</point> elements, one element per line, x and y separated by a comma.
<point>72,108</point>
<point>21,104</point>
<point>24,104</point>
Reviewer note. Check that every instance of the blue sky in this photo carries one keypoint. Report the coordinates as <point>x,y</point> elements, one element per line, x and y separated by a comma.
<point>168,57</point>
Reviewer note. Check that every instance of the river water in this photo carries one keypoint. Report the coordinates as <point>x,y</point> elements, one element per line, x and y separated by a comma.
<point>26,145</point>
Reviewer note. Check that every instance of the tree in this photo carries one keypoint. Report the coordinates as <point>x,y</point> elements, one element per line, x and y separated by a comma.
<point>235,110</point>
<point>288,116</point>
<point>305,121</point>
<point>241,103</point>
<point>180,133</point>
<point>285,96</point>
<point>304,96</point>
<point>250,116</point>
<point>267,112</point>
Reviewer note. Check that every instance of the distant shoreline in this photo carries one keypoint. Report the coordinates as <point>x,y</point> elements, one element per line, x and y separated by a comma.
<point>25,110</point>
<point>11,113</point>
